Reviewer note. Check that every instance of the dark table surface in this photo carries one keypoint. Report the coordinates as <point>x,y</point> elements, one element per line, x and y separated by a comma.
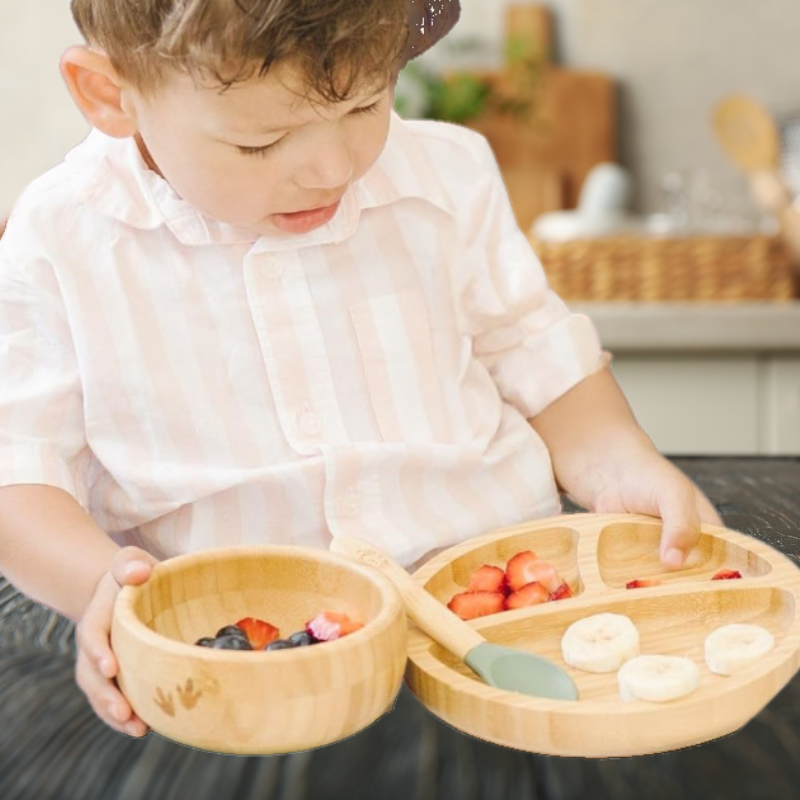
<point>52,747</point>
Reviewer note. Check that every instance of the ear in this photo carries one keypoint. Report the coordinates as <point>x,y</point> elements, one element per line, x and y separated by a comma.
<point>97,91</point>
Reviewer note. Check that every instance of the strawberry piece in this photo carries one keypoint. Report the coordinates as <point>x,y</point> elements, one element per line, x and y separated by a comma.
<point>469,605</point>
<point>726,574</point>
<point>330,625</point>
<point>641,582</point>
<point>527,567</point>
<point>517,569</point>
<point>531,594</point>
<point>562,592</point>
<point>258,632</point>
<point>488,579</point>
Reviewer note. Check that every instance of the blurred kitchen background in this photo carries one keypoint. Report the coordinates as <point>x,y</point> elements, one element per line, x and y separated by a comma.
<point>651,150</point>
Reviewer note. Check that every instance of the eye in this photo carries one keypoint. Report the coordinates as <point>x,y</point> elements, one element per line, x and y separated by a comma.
<point>372,109</point>
<point>258,151</point>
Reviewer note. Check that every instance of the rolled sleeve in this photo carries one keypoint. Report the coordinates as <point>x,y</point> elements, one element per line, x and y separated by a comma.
<point>42,436</point>
<point>534,348</point>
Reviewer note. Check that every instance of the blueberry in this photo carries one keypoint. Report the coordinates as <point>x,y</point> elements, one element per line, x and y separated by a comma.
<point>279,644</point>
<point>231,630</point>
<point>206,641</point>
<point>231,643</point>
<point>301,639</point>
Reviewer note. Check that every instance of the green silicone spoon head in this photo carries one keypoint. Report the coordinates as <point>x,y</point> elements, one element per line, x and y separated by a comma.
<point>517,671</point>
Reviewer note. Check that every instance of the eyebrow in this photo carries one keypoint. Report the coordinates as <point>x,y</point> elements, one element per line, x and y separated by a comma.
<point>278,128</point>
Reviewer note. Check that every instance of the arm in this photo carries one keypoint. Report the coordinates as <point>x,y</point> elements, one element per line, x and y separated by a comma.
<point>606,463</point>
<point>582,426</point>
<point>546,363</point>
<point>51,549</point>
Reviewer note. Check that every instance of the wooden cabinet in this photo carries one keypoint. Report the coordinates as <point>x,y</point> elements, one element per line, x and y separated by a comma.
<point>546,156</point>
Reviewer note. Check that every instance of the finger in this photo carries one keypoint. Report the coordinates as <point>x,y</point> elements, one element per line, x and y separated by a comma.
<point>681,523</point>
<point>97,666</point>
<point>94,629</point>
<point>132,565</point>
<point>106,700</point>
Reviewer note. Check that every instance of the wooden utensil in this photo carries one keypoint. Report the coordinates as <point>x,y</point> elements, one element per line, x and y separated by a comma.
<point>502,667</point>
<point>750,136</point>
<point>747,133</point>
<point>546,158</point>
<point>597,555</point>
<point>532,22</point>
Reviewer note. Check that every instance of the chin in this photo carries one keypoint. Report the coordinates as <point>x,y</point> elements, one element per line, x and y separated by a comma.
<point>260,226</point>
<point>263,226</point>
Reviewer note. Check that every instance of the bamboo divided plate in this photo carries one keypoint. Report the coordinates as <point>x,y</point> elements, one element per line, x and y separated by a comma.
<point>597,555</point>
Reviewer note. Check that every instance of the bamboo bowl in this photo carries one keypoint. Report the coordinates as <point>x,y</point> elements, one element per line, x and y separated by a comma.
<point>258,703</point>
<point>597,555</point>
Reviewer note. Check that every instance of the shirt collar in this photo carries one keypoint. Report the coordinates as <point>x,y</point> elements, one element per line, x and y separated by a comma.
<point>124,188</point>
<point>403,170</point>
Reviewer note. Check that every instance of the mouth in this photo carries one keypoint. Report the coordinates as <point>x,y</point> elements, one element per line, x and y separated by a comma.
<point>307,220</point>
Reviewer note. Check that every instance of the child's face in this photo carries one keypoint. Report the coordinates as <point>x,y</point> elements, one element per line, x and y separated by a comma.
<point>260,155</point>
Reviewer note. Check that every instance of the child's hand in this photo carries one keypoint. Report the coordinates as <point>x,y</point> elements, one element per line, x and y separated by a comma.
<point>605,462</point>
<point>96,665</point>
<point>641,481</point>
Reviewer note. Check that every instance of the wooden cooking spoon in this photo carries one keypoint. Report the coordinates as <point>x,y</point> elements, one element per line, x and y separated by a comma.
<point>747,133</point>
<point>751,138</point>
<point>502,667</point>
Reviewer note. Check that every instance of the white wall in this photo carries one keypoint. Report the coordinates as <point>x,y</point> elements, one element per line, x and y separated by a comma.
<point>673,61</point>
<point>38,121</point>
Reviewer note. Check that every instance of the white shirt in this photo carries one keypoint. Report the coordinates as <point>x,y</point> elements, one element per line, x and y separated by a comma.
<point>195,385</point>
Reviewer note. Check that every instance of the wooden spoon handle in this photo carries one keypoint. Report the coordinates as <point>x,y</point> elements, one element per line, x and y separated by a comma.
<point>441,624</point>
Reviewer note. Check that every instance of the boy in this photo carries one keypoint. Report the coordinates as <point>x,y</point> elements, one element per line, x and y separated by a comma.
<point>256,306</point>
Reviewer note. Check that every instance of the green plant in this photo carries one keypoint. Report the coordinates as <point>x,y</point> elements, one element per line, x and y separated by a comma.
<point>461,95</point>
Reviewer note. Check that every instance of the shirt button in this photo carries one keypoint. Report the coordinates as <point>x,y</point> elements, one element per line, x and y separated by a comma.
<point>350,504</point>
<point>310,423</point>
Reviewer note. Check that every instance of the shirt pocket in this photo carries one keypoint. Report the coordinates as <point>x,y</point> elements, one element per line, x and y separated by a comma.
<point>395,340</point>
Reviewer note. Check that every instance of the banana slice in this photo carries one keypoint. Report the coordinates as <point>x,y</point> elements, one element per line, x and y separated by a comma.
<point>600,643</point>
<point>657,678</point>
<point>735,647</point>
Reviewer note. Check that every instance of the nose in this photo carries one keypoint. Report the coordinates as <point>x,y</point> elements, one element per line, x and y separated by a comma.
<point>328,163</point>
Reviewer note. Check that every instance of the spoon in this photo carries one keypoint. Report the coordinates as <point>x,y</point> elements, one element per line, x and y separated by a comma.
<point>499,666</point>
<point>747,133</point>
<point>751,137</point>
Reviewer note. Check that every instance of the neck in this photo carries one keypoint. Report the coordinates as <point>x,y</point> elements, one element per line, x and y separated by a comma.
<point>148,159</point>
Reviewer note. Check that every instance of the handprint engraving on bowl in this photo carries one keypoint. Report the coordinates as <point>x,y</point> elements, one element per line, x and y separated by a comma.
<point>165,702</point>
<point>187,695</point>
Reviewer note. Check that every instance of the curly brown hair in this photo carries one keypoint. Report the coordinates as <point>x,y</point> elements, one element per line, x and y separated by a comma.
<point>338,44</point>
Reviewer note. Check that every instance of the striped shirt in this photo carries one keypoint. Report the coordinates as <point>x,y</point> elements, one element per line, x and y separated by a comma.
<point>196,385</point>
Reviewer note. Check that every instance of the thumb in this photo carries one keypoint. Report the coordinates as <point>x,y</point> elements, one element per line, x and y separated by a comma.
<point>132,565</point>
<point>681,524</point>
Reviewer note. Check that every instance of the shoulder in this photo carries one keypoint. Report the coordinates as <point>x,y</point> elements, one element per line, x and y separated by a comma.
<point>448,147</point>
<point>438,135</point>
<point>53,209</point>
<point>447,165</point>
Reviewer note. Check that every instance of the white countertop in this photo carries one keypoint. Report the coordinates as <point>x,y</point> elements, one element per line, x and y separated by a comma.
<point>757,326</point>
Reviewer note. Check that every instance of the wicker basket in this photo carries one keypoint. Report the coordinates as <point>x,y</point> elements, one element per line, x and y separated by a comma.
<point>702,268</point>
